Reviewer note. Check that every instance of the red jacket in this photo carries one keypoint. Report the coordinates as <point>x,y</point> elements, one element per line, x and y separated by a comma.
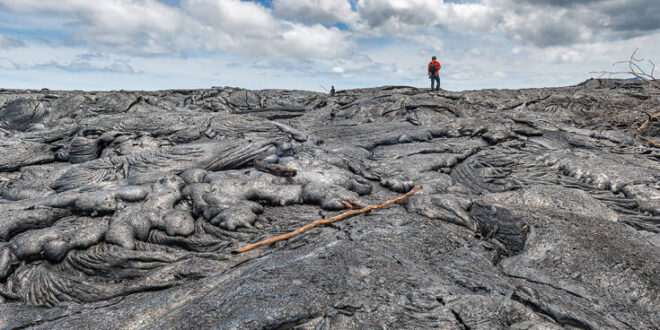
<point>434,67</point>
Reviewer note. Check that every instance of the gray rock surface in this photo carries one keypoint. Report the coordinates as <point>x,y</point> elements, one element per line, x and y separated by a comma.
<point>122,210</point>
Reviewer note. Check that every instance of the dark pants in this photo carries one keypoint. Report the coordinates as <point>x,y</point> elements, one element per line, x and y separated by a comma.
<point>435,82</point>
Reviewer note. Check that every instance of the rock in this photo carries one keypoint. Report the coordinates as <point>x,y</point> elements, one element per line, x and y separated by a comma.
<point>539,210</point>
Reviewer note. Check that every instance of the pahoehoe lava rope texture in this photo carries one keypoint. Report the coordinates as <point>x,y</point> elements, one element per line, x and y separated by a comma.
<point>540,209</point>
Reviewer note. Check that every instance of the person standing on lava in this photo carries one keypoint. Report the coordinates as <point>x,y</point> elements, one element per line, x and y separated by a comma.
<point>434,73</point>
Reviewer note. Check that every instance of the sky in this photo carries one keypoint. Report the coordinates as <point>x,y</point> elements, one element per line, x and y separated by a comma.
<point>313,44</point>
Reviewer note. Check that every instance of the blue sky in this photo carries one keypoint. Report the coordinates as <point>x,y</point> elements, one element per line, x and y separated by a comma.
<point>312,44</point>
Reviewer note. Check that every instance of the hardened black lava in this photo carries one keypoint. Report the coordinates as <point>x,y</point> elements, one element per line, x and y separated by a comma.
<point>540,209</point>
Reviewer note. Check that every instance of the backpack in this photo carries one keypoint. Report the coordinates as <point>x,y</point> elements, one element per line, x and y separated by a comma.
<point>432,69</point>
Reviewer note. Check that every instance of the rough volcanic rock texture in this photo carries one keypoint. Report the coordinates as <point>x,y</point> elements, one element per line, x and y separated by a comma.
<point>540,209</point>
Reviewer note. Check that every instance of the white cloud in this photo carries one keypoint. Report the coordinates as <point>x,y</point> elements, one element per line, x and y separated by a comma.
<point>150,27</point>
<point>246,27</point>
<point>403,16</point>
<point>541,23</point>
<point>64,59</point>
<point>433,43</point>
<point>246,20</point>
<point>338,69</point>
<point>547,23</point>
<point>315,11</point>
<point>146,25</point>
<point>8,64</point>
<point>315,41</point>
<point>7,42</point>
<point>397,16</point>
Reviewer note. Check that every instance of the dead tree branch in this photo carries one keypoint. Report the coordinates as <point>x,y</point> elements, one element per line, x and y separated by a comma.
<point>324,222</point>
<point>650,118</point>
<point>643,70</point>
<point>637,67</point>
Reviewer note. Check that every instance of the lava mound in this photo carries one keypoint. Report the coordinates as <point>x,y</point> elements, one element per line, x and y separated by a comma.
<point>539,209</point>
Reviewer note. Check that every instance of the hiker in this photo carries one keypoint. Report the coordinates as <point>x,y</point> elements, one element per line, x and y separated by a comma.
<point>434,73</point>
<point>332,91</point>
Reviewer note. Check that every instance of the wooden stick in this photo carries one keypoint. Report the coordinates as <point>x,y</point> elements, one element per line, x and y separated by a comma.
<point>648,121</point>
<point>323,222</point>
<point>652,142</point>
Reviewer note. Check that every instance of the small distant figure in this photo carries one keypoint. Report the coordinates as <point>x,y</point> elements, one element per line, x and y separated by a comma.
<point>332,91</point>
<point>434,73</point>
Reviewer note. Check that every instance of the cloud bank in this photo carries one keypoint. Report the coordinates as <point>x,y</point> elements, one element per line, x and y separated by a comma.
<point>303,43</point>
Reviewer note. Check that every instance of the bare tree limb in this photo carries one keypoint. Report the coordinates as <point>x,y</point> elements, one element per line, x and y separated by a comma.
<point>647,123</point>
<point>652,142</point>
<point>644,70</point>
<point>635,67</point>
<point>323,222</point>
